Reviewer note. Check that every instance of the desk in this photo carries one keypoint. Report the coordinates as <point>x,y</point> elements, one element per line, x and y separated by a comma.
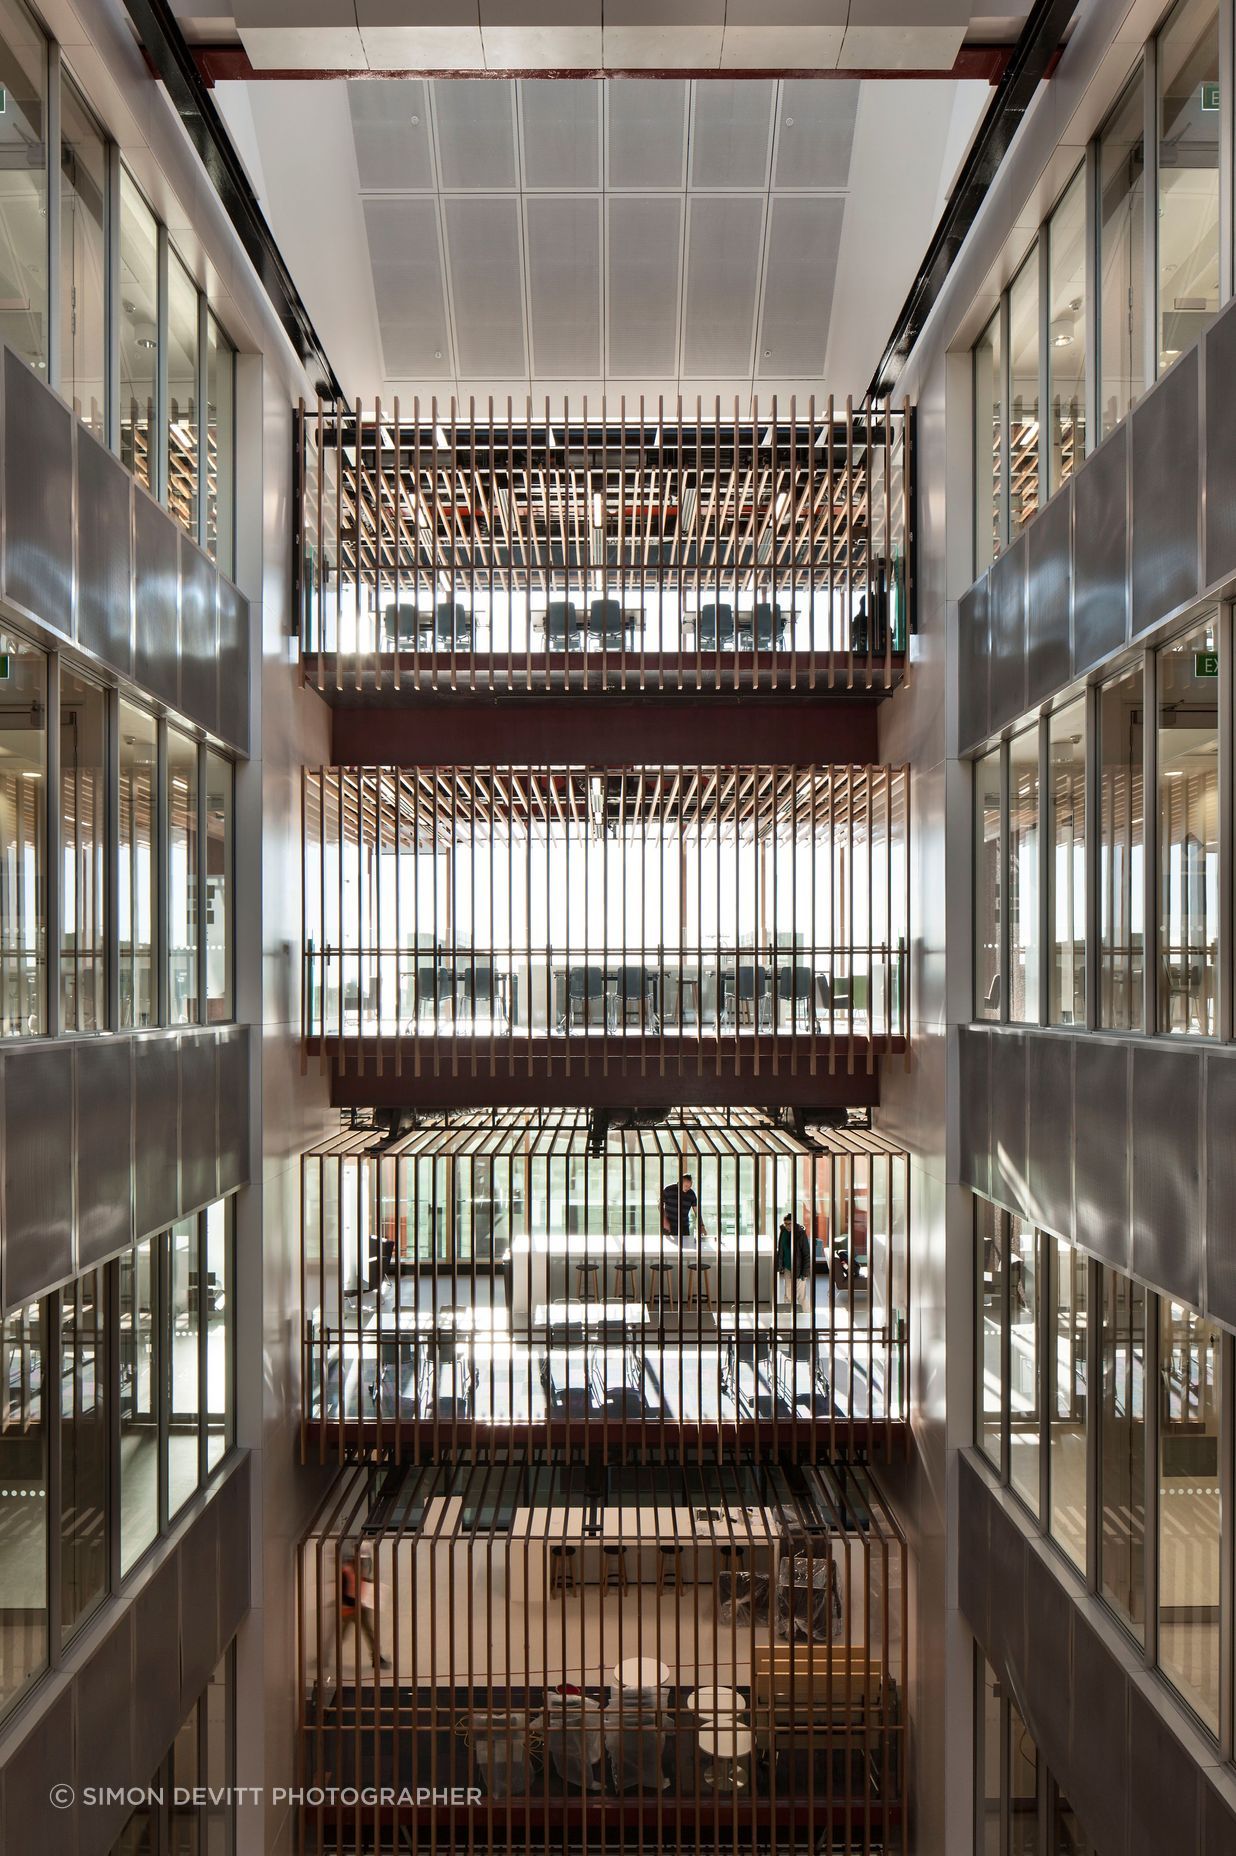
<point>572,1318</point>
<point>542,1268</point>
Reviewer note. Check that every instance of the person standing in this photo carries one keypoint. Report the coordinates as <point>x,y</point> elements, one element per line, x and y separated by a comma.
<point>358,1599</point>
<point>678,1206</point>
<point>794,1260</point>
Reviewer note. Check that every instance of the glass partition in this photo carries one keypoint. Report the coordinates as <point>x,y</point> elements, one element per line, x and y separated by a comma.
<point>1024,877</point>
<point>184,1363</point>
<point>140,1330</point>
<point>220,460</point>
<point>1122,1447</point>
<point>1066,352</point>
<point>138,876</point>
<point>1066,864</point>
<point>1190,1402</point>
<point>988,870</point>
<point>1068,1395</point>
<point>139,332</point>
<point>183,914</point>
<point>1025,441</point>
<point>83,261</point>
<point>1025,1395</point>
<point>1188,214</point>
<point>219,879</point>
<point>84,1449</point>
<point>991,1265</point>
<point>23,1502</point>
<point>84,836</point>
<point>183,395</point>
<point>1024,1829</point>
<point>23,838</point>
<point>1122,828</point>
<point>23,199</point>
<point>215,1295</point>
<point>1122,244</point>
<point>989,487</point>
<point>1188,775</point>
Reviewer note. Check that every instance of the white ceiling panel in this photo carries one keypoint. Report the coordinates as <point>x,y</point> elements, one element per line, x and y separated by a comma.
<point>475,121</point>
<point>781,48</point>
<point>731,133</point>
<point>800,273</point>
<point>564,284</point>
<point>408,288</point>
<point>644,265</point>
<point>725,236</point>
<point>484,245</point>
<point>815,134</point>
<point>646,133</point>
<point>390,128</point>
<point>561,127</point>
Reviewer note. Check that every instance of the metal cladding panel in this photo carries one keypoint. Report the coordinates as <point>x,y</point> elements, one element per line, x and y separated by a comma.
<point>973,666</point>
<point>1049,1610</point>
<point>38,497</point>
<point>1008,1588</point>
<point>157,1673</point>
<point>1100,552</point>
<point>104,1081</point>
<point>157,1096</point>
<point>157,627</point>
<point>642,255</point>
<point>199,638</point>
<point>1164,1783</point>
<point>974,1060</point>
<point>31,1822</point>
<point>409,288</point>
<point>562,133</point>
<point>1218,1818</point>
<point>1167,1204</point>
<point>1220,1119</point>
<point>391,135</point>
<point>1008,1119</point>
<point>104,1704</point>
<point>1098,1765</point>
<point>1007,619</point>
<point>815,133</point>
<point>1049,1170</point>
<point>198,1119</point>
<point>974,1549</point>
<point>233,665</point>
<point>1048,587</point>
<point>800,271</point>
<point>564,284</point>
<point>38,1178</point>
<point>475,120</point>
<point>1164,440</point>
<point>233,1085</point>
<point>1220,529</point>
<point>484,243</point>
<point>199,1604</point>
<point>1101,1150</point>
<point>724,240</point>
<point>232,1503</point>
<point>104,554</point>
<point>731,133</point>
<point>646,133</point>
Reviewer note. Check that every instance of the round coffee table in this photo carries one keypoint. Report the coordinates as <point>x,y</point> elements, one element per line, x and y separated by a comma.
<point>727,1747</point>
<point>641,1672</point>
<point>718,1704</point>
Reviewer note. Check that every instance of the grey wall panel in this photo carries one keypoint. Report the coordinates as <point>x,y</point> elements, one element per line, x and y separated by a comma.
<point>198,1100</point>
<point>104,1704</point>
<point>1100,543</point>
<point>1047,1660</point>
<point>38,1178</point>
<point>1220,1099</point>
<point>104,1081</point>
<point>1218,1819</point>
<point>974,1063</point>
<point>1098,1765</point>
<point>233,1083</point>
<point>1101,1149</point>
<point>38,513</point>
<point>1048,586</point>
<point>157,624</point>
<point>1008,1118</point>
<point>1167,1224</point>
<point>199,639</point>
<point>1164,1783</point>
<point>1165,495</point>
<point>199,1605</point>
<point>31,1822</point>
<point>156,1614</point>
<point>1007,620</point>
<point>1220,371</point>
<point>1049,1168</point>
<point>104,554</point>
<point>973,666</point>
<point>234,1563</point>
<point>233,665</point>
<point>1008,1591</point>
<point>974,1550</point>
<point>157,1096</point>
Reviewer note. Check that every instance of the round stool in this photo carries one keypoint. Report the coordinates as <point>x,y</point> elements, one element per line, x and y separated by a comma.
<point>699,1286</point>
<point>626,1282</point>
<point>588,1282</point>
<point>669,1564</point>
<point>664,1292</point>
<point>561,1570</point>
<point>728,1748</point>
<point>614,1570</point>
<point>718,1706</point>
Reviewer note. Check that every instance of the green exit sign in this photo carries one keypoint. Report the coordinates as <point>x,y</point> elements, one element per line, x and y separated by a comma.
<point>1205,663</point>
<point>1210,96</point>
<point>4,666</point>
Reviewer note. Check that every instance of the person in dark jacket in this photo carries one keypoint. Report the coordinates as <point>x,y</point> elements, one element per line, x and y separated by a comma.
<point>794,1260</point>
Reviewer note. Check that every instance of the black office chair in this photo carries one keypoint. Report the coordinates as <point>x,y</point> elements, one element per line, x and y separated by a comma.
<point>605,623</point>
<point>400,625</point>
<point>769,627</point>
<point>452,627</point>
<point>796,987</point>
<point>716,628</point>
<point>586,997</point>
<point>562,627</point>
<point>747,986</point>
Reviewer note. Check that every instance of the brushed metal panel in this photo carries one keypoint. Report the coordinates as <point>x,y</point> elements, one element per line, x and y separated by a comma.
<point>1220,1118</point>
<point>1218,1821</point>
<point>484,242</point>
<point>1164,1805</point>
<point>1048,1647</point>
<point>38,1178</point>
<point>974,1063</point>
<point>974,1506</point>
<point>157,624</point>
<point>1220,524</point>
<point>1008,1119</point>
<point>43,1758</point>
<point>1101,1149</point>
<point>731,133</point>
<point>409,287</point>
<point>38,512</point>
<point>103,1704</point>
<point>199,638</point>
<point>562,133</point>
<point>1100,542</point>
<point>233,1503</point>
<point>723,267</point>
<point>1096,1780</point>
<point>233,665</point>
<point>233,1082</point>
<point>199,1604</point>
<point>1049,1169</point>
<point>815,133</point>
<point>1049,575</point>
<point>156,1685</point>
<point>104,1082</point>
<point>800,271</point>
<point>390,132</point>
<point>564,284</point>
<point>1164,454</point>
<point>475,120</point>
<point>643,260</point>
<point>1007,619</point>
<point>973,666</point>
<point>1008,1593</point>
<point>198,1126</point>
<point>1167,1225</point>
<point>646,133</point>
<point>104,554</point>
<point>157,1096</point>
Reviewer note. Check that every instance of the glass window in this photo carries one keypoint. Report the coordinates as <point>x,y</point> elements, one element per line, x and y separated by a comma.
<point>216,1299</point>
<point>1188,216</point>
<point>1121,853</point>
<point>990,1228</point>
<point>220,446</point>
<point>139,332</point>
<point>182,915</point>
<point>1190,1395</point>
<point>1066,352</point>
<point>83,1450</point>
<point>216,1706</point>
<point>183,395</point>
<point>184,1365</point>
<point>1024,440</point>
<point>989,1761</point>
<point>136,896</point>
<point>1067,1396</point>
<point>1023,1787</point>
<point>139,1401</point>
<point>23,1503</point>
<point>185,1820</point>
<point>23,764</point>
<point>988,446</point>
<point>1068,1838</point>
<point>219,1004</point>
<point>83,876</point>
<point>1122,1447</point>
<point>1066,866</point>
<point>83,261</point>
<point>1024,877</point>
<point>987,865</point>
<point>1188,751</point>
<point>23,195</point>
<point>1122,243</point>
<point>1025,1409</point>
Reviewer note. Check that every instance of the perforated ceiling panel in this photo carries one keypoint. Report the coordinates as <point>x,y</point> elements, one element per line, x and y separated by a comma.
<point>391,131</point>
<point>564,284</point>
<point>731,133</point>
<point>645,264</point>
<point>815,134</point>
<point>408,287</point>
<point>724,235</point>
<point>476,134</point>
<point>561,134</point>
<point>800,271</point>
<point>646,133</point>
<point>484,246</point>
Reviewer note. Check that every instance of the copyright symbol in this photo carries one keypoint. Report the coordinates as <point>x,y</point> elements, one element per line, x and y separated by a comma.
<point>62,1796</point>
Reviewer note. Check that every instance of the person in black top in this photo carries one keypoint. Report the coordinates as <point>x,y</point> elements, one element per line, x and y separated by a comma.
<point>678,1203</point>
<point>794,1260</point>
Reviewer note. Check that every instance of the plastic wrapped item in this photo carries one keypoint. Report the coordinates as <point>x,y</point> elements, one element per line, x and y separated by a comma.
<point>808,1608</point>
<point>635,1739</point>
<point>500,1746</point>
<point>574,1740</point>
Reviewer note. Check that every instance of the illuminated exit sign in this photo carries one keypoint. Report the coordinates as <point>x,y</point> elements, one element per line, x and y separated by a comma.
<point>1210,96</point>
<point>1205,663</point>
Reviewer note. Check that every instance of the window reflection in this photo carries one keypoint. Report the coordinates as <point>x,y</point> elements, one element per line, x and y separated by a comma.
<point>184,1363</point>
<point>1066,866</point>
<point>83,873</point>
<point>1066,353</point>
<point>182,879</point>
<point>1023,1787</point>
<point>1024,877</point>
<point>84,1445</point>
<point>988,446</point>
<point>219,1004</point>
<point>137,891</point>
<point>1121,853</point>
<point>1067,1391</point>
<point>139,1401</point>
<point>1122,240</point>
<point>139,332</point>
<point>83,261</point>
<point>1025,442</point>
<point>23,1503</point>
<point>219,480</point>
<point>990,1761</point>
<point>1188,216</point>
<point>23,765</point>
<point>1188,749</point>
<point>183,395</point>
<point>216,1300</point>
<point>987,872</point>
<point>23,198</point>
<point>991,1259</point>
<point>1025,1411</point>
<point>1122,1447</point>
<point>1190,1396</point>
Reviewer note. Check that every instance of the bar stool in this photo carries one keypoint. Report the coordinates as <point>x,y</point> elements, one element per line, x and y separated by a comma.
<point>614,1570</point>
<point>561,1570</point>
<point>588,1282</point>
<point>669,1568</point>
<point>663,1290</point>
<point>626,1282</point>
<point>728,1747</point>
<point>699,1286</point>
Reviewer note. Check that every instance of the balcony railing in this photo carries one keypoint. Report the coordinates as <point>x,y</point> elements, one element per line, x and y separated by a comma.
<point>635,551</point>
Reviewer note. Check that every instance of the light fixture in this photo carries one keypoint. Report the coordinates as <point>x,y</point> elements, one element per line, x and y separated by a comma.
<point>144,333</point>
<point>598,510</point>
<point>1062,332</point>
<point>440,439</point>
